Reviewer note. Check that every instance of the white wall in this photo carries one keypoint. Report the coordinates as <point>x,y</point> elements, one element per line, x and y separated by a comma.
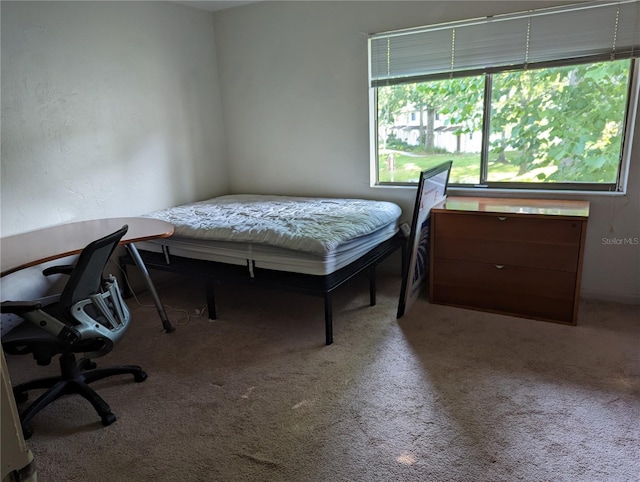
<point>108,109</point>
<point>112,108</point>
<point>293,77</point>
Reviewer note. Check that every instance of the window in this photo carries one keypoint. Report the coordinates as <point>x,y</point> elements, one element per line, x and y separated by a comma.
<point>554,113</point>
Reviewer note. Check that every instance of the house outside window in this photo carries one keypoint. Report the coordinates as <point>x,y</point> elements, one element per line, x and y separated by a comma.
<point>560,119</point>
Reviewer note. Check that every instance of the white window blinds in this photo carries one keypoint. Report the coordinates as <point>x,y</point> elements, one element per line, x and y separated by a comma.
<point>587,32</point>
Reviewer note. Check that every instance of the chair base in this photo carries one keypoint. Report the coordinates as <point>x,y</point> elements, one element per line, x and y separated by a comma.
<point>74,379</point>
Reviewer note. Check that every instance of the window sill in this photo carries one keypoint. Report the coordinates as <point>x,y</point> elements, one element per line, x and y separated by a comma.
<point>532,193</point>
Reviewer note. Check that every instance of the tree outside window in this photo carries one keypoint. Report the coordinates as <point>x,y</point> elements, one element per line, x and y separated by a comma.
<point>548,126</point>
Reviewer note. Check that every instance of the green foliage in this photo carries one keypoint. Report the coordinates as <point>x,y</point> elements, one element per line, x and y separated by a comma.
<point>561,124</point>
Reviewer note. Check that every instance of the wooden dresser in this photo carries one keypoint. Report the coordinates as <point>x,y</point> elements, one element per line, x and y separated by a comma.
<point>521,257</point>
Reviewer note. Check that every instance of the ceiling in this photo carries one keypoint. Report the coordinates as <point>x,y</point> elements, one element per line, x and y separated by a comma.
<point>215,5</point>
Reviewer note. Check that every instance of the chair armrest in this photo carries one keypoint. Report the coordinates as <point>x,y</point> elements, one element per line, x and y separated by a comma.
<point>62,269</point>
<point>19,307</point>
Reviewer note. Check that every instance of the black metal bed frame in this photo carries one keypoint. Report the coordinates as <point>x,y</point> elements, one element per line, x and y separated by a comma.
<point>315,285</point>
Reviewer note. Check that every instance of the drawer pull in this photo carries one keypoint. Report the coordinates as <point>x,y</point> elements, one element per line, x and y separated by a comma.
<point>502,218</point>
<point>499,266</point>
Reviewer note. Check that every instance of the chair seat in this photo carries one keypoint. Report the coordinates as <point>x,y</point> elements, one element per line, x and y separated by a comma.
<point>28,338</point>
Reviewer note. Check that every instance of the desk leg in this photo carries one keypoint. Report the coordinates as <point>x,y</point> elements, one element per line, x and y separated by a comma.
<point>143,269</point>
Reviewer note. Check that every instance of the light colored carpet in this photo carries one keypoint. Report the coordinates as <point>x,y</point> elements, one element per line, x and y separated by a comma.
<point>443,394</point>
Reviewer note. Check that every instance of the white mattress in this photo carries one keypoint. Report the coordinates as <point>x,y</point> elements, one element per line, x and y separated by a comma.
<point>302,235</point>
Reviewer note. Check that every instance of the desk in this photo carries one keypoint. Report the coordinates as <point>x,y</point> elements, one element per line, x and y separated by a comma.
<point>55,242</point>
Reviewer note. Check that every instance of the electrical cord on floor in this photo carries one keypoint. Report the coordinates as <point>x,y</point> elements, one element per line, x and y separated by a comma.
<point>197,313</point>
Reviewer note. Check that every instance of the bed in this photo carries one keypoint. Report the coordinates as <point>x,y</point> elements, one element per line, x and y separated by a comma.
<point>302,244</point>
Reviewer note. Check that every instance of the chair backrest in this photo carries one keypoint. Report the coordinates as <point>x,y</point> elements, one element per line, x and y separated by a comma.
<point>86,277</point>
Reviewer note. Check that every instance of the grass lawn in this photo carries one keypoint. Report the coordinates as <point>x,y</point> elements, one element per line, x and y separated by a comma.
<point>465,168</point>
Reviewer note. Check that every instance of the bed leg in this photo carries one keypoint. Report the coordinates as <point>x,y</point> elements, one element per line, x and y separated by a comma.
<point>211,301</point>
<point>372,286</point>
<point>328,319</point>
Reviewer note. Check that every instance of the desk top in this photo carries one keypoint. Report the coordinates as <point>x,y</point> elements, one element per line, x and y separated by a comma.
<point>534,207</point>
<point>34,247</point>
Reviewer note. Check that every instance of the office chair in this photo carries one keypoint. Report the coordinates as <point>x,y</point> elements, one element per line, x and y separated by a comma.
<point>88,317</point>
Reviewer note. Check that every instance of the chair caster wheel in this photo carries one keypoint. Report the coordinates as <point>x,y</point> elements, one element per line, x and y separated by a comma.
<point>87,364</point>
<point>108,419</point>
<point>140,377</point>
<point>27,432</point>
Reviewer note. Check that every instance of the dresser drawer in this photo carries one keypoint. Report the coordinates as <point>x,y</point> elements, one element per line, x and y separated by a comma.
<point>511,240</point>
<point>517,290</point>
